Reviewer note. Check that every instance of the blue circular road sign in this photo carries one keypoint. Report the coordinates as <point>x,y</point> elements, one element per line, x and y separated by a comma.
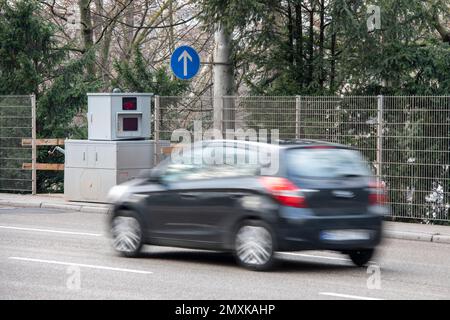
<point>185,62</point>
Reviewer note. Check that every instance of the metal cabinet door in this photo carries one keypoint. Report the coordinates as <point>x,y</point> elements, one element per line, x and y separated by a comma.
<point>105,156</point>
<point>76,155</point>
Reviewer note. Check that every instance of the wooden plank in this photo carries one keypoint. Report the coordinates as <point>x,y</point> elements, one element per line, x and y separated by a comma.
<point>43,142</point>
<point>44,166</point>
<point>166,150</point>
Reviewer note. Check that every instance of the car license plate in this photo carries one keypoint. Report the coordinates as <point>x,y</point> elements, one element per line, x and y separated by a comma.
<point>345,235</point>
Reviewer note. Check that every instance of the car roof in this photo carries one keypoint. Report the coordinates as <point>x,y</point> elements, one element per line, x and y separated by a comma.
<point>282,143</point>
<point>295,143</point>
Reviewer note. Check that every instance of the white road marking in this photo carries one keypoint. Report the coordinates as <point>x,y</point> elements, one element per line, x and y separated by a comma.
<point>348,296</point>
<point>81,265</point>
<point>320,257</point>
<point>313,256</point>
<point>52,231</point>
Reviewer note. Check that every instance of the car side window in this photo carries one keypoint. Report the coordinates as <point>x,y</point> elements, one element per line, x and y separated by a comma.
<point>240,162</point>
<point>229,161</point>
<point>213,162</point>
<point>183,168</point>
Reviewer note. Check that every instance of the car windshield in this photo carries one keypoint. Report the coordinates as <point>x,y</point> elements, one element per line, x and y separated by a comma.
<point>326,163</point>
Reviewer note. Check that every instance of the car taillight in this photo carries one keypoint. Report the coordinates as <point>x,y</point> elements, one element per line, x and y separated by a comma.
<point>284,191</point>
<point>377,194</point>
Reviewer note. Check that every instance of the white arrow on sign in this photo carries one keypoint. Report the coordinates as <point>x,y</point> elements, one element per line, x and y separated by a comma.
<point>185,56</point>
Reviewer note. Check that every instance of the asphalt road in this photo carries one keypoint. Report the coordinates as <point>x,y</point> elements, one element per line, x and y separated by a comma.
<point>52,254</point>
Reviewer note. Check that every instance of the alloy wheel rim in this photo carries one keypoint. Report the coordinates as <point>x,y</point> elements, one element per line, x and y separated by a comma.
<point>126,234</point>
<point>254,245</point>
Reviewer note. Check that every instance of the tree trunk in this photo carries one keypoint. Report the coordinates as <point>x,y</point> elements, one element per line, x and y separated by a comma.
<point>104,57</point>
<point>290,26</point>
<point>311,44</point>
<point>87,32</point>
<point>98,20</point>
<point>321,44</point>
<point>333,63</point>
<point>171,28</point>
<point>128,31</point>
<point>443,31</point>
<point>101,24</point>
<point>299,43</point>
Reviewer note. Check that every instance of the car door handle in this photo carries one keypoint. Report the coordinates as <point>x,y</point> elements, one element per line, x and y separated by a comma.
<point>236,195</point>
<point>188,195</point>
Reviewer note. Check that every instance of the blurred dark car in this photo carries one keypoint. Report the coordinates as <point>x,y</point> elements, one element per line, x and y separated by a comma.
<point>320,196</point>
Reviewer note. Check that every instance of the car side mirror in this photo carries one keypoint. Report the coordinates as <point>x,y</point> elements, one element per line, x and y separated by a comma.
<point>151,175</point>
<point>158,176</point>
<point>155,179</point>
<point>155,176</point>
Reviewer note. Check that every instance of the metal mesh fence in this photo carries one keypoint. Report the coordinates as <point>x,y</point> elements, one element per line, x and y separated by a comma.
<point>415,153</point>
<point>262,113</point>
<point>15,124</point>
<point>406,139</point>
<point>173,113</point>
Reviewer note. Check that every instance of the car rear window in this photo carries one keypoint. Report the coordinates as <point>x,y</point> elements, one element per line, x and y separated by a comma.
<point>326,163</point>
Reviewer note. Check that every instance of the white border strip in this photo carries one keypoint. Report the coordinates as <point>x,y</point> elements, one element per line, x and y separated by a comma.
<point>320,257</point>
<point>314,256</point>
<point>52,231</point>
<point>80,265</point>
<point>348,296</point>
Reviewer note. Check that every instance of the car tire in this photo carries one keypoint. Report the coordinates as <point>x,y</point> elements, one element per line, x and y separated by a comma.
<point>361,257</point>
<point>254,245</point>
<point>127,234</point>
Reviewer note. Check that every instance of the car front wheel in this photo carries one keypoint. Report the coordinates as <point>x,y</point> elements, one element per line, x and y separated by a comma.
<point>361,257</point>
<point>254,246</point>
<point>126,234</point>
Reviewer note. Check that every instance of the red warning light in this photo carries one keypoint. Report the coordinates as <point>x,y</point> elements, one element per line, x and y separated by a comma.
<point>129,103</point>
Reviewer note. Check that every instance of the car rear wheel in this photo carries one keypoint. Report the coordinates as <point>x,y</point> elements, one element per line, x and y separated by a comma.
<point>126,234</point>
<point>361,257</point>
<point>254,246</point>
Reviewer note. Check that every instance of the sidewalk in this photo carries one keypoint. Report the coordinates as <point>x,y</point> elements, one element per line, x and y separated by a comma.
<point>393,230</point>
<point>415,231</point>
<point>51,201</point>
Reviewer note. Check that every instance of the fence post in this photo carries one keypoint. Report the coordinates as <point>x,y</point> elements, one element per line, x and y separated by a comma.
<point>33,144</point>
<point>379,155</point>
<point>297,116</point>
<point>157,149</point>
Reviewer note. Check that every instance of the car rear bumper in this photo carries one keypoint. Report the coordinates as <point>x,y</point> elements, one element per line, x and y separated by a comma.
<point>308,233</point>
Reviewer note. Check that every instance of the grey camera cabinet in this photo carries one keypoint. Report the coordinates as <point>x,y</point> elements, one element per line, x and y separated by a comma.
<point>106,116</point>
<point>93,167</point>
